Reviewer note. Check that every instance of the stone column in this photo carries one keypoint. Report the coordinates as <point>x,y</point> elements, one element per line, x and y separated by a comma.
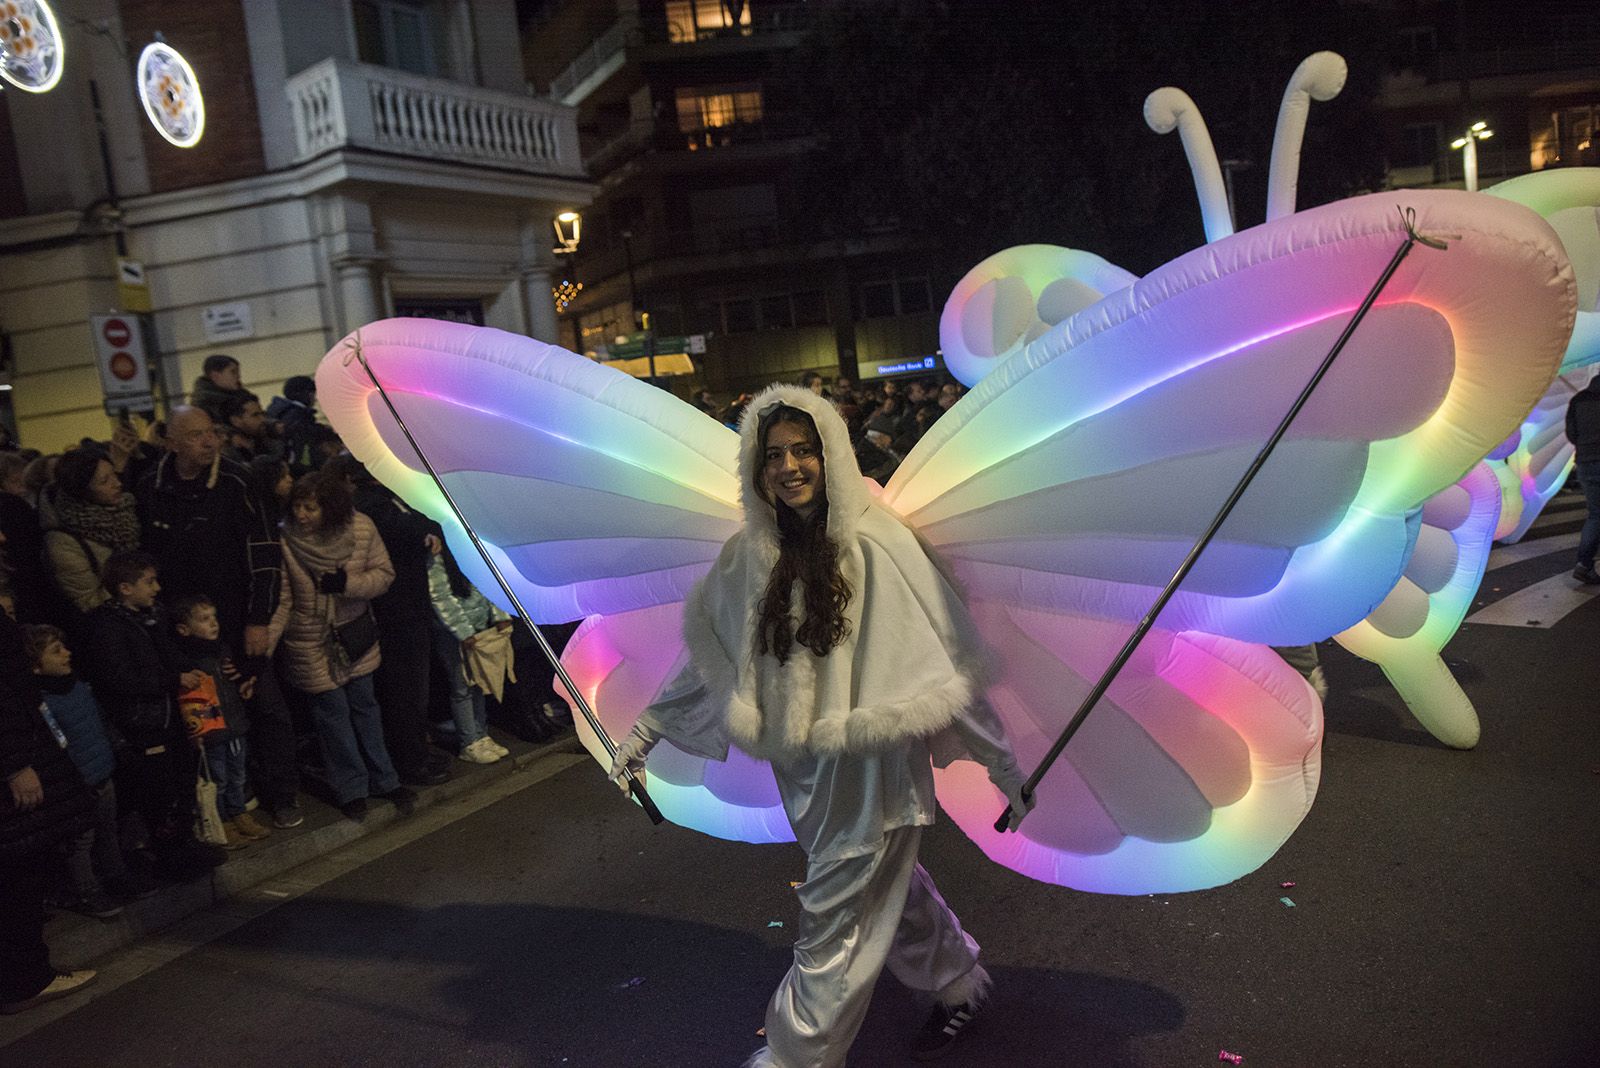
<point>359,295</point>
<point>539,305</point>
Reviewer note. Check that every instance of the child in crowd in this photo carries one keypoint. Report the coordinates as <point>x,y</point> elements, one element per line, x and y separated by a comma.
<point>200,648</point>
<point>132,669</point>
<point>460,613</point>
<point>99,872</point>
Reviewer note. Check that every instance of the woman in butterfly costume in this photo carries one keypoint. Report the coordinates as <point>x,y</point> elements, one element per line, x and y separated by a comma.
<point>825,641</point>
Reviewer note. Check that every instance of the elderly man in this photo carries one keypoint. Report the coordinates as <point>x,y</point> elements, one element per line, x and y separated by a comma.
<point>200,517</point>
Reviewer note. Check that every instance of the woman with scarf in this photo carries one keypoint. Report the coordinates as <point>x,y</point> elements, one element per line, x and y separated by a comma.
<point>94,516</point>
<point>334,564</point>
<point>825,641</point>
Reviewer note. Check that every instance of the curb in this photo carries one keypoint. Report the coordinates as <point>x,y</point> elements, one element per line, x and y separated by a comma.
<point>76,940</point>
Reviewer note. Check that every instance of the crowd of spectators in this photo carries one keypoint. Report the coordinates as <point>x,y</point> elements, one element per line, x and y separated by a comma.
<point>886,417</point>
<point>228,596</point>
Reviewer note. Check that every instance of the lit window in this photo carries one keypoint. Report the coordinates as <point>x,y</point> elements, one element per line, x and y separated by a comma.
<point>707,108</point>
<point>692,20</point>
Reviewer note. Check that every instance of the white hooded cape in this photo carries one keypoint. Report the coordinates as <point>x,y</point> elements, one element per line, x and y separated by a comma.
<point>909,666</point>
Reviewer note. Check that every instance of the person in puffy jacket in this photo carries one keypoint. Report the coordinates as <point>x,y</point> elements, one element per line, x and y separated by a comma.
<point>461,611</point>
<point>42,803</point>
<point>334,564</point>
<point>1583,430</point>
<point>95,864</point>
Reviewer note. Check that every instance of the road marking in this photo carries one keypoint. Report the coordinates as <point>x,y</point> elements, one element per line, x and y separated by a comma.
<point>1541,605</point>
<point>1506,555</point>
<point>1568,514</point>
<point>207,925</point>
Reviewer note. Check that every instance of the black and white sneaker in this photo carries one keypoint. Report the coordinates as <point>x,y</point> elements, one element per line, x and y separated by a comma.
<point>944,1028</point>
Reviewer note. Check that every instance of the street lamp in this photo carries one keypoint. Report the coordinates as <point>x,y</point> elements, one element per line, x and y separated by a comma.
<point>1478,131</point>
<point>568,226</point>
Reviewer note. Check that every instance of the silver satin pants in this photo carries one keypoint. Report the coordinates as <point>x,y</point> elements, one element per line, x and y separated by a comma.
<point>859,915</point>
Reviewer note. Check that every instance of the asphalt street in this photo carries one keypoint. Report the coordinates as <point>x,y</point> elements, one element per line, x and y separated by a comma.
<point>1445,912</point>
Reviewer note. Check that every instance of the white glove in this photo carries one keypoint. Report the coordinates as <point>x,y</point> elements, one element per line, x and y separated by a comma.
<point>1008,779</point>
<point>632,754</point>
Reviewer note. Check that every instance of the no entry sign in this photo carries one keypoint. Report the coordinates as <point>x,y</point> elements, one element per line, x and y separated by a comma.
<point>120,358</point>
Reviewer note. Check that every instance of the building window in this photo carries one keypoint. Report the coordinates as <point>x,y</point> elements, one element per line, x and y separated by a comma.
<point>394,33</point>
<point>810,309</point>
<point>711,107</point>
<point>451,311</point>
<point>1575,130</point>
<point>914,295</point>
<point>775,313</point>
<point>695,20</point>
<point>904,296</point>
<point>1419,144</point>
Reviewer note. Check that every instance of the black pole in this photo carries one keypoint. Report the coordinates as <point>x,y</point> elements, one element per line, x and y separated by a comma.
<point>1126,653</point>
<point>635,786</point>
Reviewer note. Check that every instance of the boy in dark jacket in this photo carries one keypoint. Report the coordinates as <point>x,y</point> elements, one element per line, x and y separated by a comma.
<point>94,858</point>
<point>200,648</point>
<point>133,671</point>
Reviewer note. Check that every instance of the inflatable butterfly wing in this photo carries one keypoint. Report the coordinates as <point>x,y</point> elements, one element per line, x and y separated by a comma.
<point>599,498</point>
<point>1569,199</point>
<point>1407,632</point>
<point>1066,487</point>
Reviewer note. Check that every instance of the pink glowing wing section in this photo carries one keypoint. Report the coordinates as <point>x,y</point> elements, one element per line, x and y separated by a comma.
<point>621,663</point>
<point>1569,200</point>
<point>1013,297</point>
<point>1407,632</point>
<point>1538,467</point>
<point>1198,765</point>
<point>1078,473</point>
<point>593,491</point>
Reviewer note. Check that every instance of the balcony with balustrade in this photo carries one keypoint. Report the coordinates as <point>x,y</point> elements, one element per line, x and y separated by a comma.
<point>340,104</point>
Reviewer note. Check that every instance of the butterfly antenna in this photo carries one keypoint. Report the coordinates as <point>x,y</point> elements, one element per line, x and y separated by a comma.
<point>635,785</point>
<point>1320,76</point>
<point>1408,220</point>
<point>1169,109</point>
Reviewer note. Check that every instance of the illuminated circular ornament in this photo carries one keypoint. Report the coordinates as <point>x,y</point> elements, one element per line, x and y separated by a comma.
<point>171,95</point>
<point>31,49</point>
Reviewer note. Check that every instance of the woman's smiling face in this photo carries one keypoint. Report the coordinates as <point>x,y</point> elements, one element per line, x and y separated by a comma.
<point>792,467</point>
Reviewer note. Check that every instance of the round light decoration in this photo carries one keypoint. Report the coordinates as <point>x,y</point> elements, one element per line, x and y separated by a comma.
<point>171,95</point>
<point>31,49</point>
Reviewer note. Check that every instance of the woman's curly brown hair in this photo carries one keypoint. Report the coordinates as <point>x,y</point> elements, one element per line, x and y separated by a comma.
<point>806,553</point>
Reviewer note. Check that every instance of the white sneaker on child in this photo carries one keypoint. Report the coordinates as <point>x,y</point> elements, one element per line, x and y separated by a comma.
<point>479,753</point>
<point>496,747</point>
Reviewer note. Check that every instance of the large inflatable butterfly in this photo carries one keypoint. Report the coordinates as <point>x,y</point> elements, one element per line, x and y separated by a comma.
<point>1061,491</point>
<point>1027,289</point>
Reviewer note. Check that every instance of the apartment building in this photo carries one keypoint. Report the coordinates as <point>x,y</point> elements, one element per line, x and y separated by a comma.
<point>1528,72</point>
<point>359,159</point>
<point>688,134</point>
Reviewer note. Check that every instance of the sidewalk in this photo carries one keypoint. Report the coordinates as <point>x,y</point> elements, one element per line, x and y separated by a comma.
<point>76,940</point>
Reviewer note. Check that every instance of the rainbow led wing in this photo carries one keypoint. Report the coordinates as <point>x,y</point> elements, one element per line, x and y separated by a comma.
<point>621,663</point>
<point>1067,486</point>
<point>1407,632</point>
<point>1200,762</point>
<point>1013,297</point>
<point>590,490</point>
<point>593,492</point>
<point>1077,474</point>
<point>1569,199</point>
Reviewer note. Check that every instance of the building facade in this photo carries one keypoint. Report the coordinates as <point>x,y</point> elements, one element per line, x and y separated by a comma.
<point>360,158</point>
<point>697,220</point>
<point>1528,72</point>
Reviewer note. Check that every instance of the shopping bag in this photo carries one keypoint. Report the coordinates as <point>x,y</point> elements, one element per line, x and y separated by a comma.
<point>208,820</point>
